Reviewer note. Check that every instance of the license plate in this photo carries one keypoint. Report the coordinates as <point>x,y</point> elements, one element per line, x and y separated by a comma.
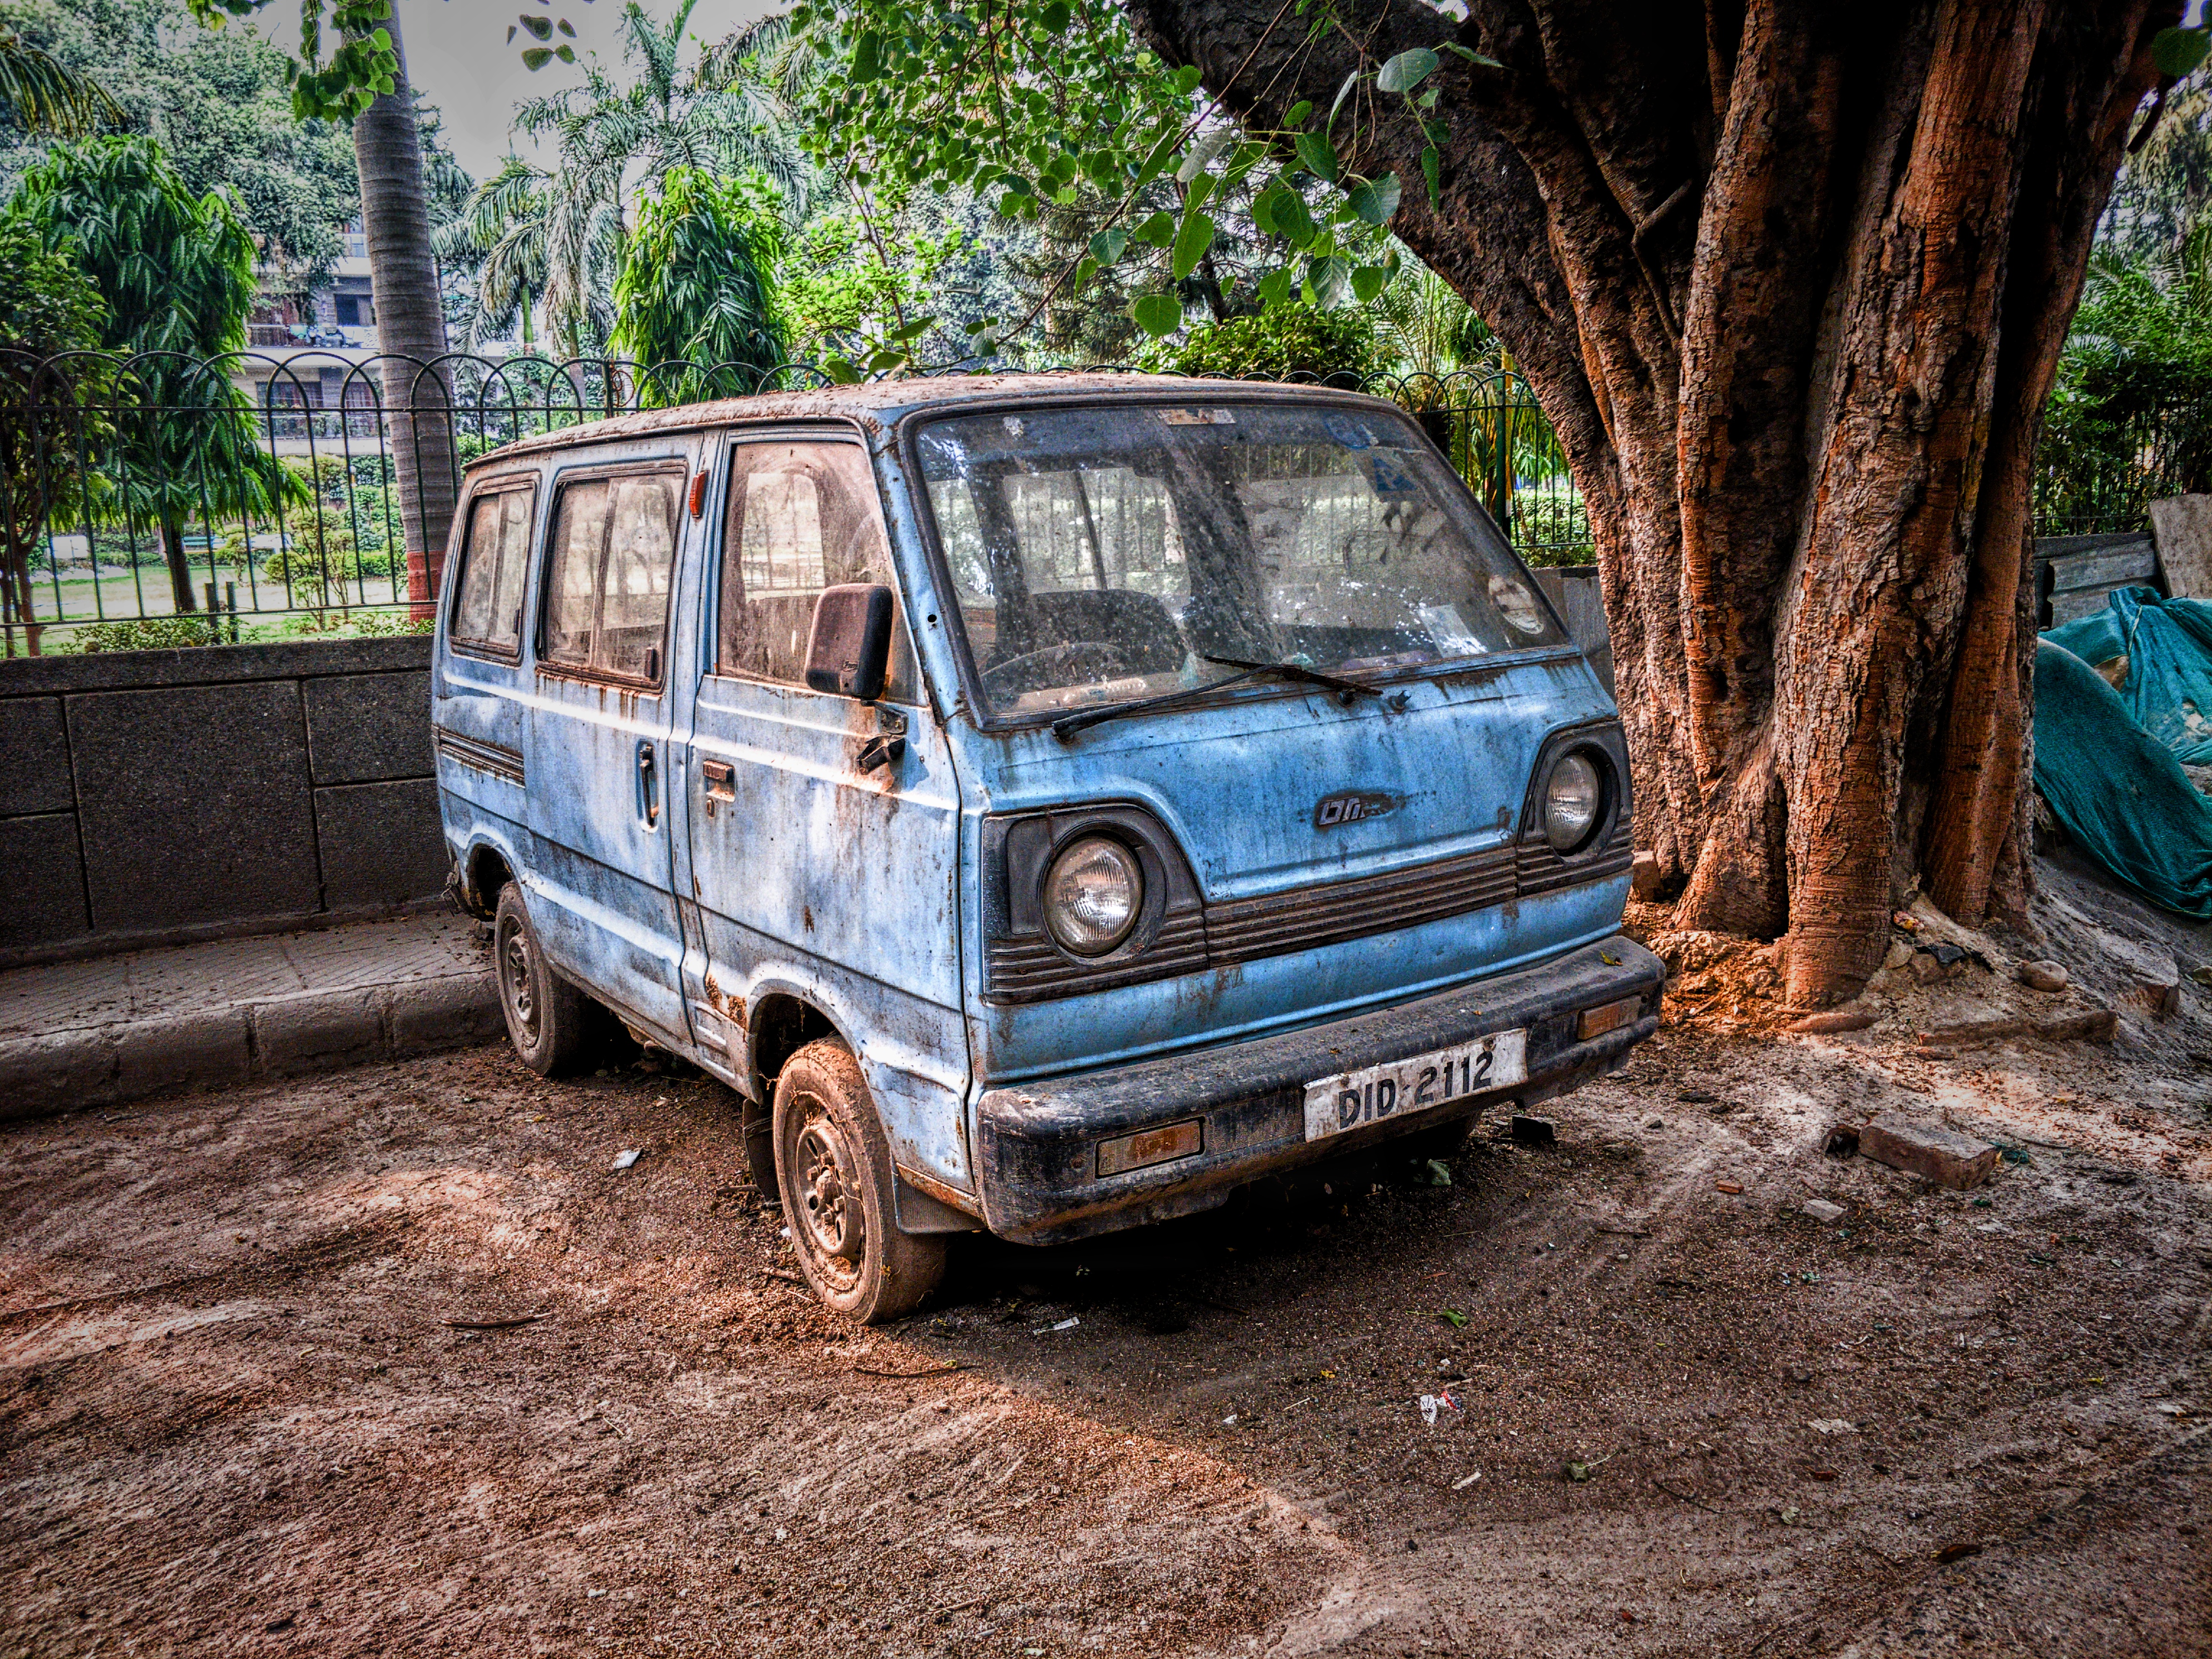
<point>1346,1100</point>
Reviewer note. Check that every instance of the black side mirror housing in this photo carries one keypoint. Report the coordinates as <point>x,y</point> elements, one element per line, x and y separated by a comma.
<point>849,651</point>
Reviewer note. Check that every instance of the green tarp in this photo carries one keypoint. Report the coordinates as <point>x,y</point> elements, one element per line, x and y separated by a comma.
<point>2168,646</point>
<point>2120,793</point>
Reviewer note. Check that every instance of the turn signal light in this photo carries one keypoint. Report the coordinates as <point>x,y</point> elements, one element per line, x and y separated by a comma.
<point>1149,1147</point>
<point>1596,1022</point>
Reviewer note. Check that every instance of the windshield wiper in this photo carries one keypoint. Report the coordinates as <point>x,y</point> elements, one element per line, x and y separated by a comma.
<point>1068,724</point>
<point>1295,671</point>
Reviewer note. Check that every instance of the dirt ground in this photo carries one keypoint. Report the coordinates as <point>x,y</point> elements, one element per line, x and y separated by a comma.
<point>243,1409</point>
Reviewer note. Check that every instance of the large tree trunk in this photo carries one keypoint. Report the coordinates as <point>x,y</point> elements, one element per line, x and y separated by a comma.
<point>1791,280</point>
<point>411,328</point>
<point>180,563</point>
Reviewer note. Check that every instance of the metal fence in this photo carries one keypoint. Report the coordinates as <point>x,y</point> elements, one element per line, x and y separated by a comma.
<point>167,501</point>
<point>2105,460</point>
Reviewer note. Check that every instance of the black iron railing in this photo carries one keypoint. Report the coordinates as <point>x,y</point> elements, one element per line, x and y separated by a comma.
<point>162,500</point>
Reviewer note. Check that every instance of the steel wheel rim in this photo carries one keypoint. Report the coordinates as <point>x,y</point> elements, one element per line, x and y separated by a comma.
<point>828,1216</point>
<point>515,977</point>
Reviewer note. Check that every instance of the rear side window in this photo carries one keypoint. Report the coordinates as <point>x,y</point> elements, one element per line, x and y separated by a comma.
<point>803,516</point>
<point>608,572</point>
<point>488,612</point>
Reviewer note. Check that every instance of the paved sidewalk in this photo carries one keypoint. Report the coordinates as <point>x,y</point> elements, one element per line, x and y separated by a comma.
<point>115,1028</point>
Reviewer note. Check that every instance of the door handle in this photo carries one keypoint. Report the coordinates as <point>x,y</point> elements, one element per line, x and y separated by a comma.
<point>720,778</point>
<point>648,784</point>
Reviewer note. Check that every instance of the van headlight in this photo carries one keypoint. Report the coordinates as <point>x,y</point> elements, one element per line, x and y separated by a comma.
<point>1092,894</point>
<point>1573,796</point>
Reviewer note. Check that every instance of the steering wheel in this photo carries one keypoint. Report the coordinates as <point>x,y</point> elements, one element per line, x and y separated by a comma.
<point>1056,665</point>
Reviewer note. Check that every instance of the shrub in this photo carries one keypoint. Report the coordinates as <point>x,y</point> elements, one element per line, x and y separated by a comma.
<point>142,634</point>
<point>1280,343</point>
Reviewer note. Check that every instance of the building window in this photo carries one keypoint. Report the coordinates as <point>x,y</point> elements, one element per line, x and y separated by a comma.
<point>355,311</point>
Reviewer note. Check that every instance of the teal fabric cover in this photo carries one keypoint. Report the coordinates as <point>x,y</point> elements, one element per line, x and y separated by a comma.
<point>2168,646</point>
<point>2120,793</point>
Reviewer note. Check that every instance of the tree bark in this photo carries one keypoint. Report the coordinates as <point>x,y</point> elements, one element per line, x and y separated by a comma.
<point>1790,280</point>
<point>411,328</point>
<point>180,563</point>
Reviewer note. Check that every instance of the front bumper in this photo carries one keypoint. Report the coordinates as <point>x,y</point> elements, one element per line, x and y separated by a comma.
<point>1037,1152</point>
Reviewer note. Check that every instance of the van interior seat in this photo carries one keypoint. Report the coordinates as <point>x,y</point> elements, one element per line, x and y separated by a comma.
<point>1136,624</point>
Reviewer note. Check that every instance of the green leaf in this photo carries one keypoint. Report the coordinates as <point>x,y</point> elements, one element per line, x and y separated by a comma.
<point>1408,71</point>
<point>1056,16</point>
<point>1472,56</point>
<point>840,371</point>
<point>1375,199</point>
<point>1106,246</point>
<point>867,58</point>
<point>567,28</point>
<point>566,54</point>
<point>1292,222</point>
<point>1431,175</point>
<point>2177,51</point>
<point>1086,269</point>
<point>1318,155</point>
<point>1342,93</point>
<point>536,58</point>
<point>1368,281</point>
<point>1328,279</point>
<point>1158,314</point>
<point>1191,243</point>
<point>1186,80</point>
<point>541,28</point>
<point>1159,230</point>
<point>1297,114</point>
<point>1275,286</point>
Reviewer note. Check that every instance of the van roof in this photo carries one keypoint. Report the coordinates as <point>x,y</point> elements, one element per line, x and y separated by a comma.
<point>877,405</point>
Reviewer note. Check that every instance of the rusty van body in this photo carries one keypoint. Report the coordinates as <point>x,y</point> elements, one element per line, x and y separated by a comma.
<point>1049,801</point>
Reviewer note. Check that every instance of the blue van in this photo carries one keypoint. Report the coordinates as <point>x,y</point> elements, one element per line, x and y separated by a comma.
<point>1048,801</point>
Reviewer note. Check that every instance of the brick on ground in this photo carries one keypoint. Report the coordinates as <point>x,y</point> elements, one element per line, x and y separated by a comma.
<point>1941,1155</point>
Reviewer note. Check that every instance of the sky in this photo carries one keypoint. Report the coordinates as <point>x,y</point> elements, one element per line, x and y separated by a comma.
<point>459,58</point>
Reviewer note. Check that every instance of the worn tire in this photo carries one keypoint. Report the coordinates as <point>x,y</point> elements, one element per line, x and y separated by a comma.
<point>548,1019</point>
<point>833,1171</point>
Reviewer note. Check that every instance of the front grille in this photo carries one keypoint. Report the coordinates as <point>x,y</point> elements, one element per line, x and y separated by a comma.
<point>1245,930</point>
<point>1030,968</point>
<point>1539,869</point>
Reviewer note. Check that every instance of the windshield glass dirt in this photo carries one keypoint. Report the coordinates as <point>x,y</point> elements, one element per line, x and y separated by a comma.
<point>1102,555</point>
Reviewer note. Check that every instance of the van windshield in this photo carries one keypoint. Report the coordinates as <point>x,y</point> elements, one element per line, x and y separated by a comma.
<point>1104,555</point>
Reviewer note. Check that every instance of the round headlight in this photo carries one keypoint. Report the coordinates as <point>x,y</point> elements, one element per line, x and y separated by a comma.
<point>1092,893</point>
<point>1573,796</point>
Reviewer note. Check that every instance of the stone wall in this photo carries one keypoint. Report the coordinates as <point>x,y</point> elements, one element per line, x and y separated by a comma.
<point>152,796</point>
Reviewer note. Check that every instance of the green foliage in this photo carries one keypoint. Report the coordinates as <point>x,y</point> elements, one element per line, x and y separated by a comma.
<point>1292,341</point>
<point>556,235</point>
<point>176,274</point>
<point>854,279</point>
<point>142,634</point>
<point>1030,106</point>
<point>220,106</point>
<point>44,95</point>
<point>48,307</point>
<point>2130,417</point>
<point>696,286</point>
<point>2164,187</point>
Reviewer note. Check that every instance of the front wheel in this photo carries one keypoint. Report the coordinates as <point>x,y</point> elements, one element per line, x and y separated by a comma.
<point>833,1168</point>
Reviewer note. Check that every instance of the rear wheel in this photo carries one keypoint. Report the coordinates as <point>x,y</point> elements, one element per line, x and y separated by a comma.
<point>547,1017</point>
<point>833,1169</point>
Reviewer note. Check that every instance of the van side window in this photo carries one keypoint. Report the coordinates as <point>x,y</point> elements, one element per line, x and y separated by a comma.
<point>611,559</point>
<point>488,611</point>
<point>803,516</point>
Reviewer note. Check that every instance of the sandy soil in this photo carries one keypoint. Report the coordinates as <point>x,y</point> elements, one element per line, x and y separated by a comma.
<point>242,1411</point>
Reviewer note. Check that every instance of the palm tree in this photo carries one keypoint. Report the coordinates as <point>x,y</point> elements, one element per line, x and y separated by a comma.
<point>559,232</point>
<point>410,323</point>
<point>48,97</point>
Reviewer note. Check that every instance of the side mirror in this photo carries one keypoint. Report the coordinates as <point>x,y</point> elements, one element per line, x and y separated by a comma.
<point>849,651</point>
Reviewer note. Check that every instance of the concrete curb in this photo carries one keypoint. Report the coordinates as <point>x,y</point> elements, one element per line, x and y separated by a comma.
<point>238,1043</point>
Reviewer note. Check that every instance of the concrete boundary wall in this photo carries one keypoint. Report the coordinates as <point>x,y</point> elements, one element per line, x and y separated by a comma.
<point>154,797</point>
